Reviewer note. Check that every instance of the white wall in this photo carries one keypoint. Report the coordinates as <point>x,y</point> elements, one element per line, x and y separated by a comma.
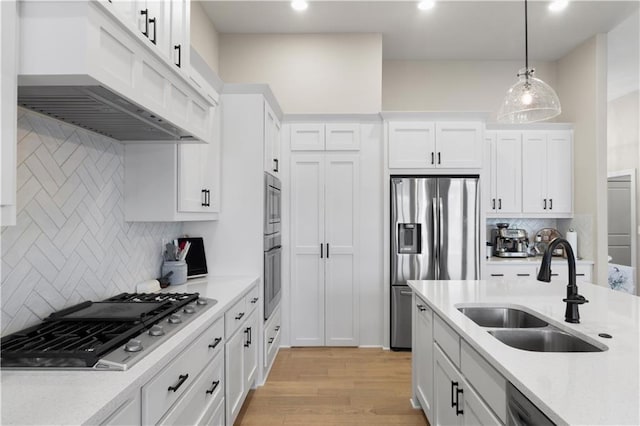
<point>308,73</point>
<point>204,37</point>
<point>452,85</point>
<point>581,86</point>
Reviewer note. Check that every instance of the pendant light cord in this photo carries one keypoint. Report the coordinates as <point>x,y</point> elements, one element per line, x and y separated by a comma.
<point>526,41</point>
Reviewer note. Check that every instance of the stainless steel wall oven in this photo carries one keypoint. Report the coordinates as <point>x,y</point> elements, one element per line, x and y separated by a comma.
<point>272,244</point>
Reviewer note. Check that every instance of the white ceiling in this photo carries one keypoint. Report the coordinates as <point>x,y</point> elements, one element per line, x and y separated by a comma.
<point>471,30</point>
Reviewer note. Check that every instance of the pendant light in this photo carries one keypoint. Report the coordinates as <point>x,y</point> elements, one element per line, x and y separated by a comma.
<point>529,99</point>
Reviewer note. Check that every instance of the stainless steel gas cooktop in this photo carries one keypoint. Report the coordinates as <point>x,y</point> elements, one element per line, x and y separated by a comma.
<point>110,335</point>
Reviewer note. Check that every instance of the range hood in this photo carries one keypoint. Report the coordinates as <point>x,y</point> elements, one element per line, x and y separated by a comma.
<point>102,111</point>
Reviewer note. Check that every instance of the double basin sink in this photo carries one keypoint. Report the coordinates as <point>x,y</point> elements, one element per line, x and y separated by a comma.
<point>522,330</point>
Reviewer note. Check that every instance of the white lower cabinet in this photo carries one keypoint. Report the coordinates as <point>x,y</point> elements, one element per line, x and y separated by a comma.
<point>509,272</point>
<point>452,382</point>
<point>559,271</point>
<point>241,352</point>
<point>272,338</point>
<point>423,355</point>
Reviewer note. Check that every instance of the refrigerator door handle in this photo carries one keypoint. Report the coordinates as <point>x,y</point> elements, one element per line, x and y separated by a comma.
<point>434,207</point>
<point>440,235</point>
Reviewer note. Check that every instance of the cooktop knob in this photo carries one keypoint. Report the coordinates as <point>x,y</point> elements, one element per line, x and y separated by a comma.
<point>189,309</point>
<point>201,301</point>
<point>156,330</point>
<point>133,345</point>
<point>175,319</point>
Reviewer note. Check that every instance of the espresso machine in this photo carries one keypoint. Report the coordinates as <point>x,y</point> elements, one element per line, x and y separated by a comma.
<point>509,242</point>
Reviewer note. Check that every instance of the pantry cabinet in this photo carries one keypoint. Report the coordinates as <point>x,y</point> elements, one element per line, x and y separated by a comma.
<point>325,191</point>
<point>547,172</point>
<point>429,145</point>
<point>504,163</point>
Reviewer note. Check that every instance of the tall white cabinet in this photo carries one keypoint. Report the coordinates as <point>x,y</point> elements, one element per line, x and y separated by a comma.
<point>325,199</point>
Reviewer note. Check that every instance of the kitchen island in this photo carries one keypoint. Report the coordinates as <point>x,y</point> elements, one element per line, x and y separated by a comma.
<point>568,387</point>
<point>68,397</point>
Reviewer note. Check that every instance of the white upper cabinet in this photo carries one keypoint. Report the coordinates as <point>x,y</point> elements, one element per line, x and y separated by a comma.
<point>547,173</point>
<point>271,141</point>
<point>325,137</point>
<point>420,145</point>
<point>505,170</point>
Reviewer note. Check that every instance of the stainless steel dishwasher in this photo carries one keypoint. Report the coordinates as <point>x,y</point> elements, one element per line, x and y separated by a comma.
<point>522,412</point>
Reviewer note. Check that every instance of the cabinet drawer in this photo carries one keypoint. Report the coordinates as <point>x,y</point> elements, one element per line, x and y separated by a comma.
<point>493,272</point>
<point>476,411</point>
<point>272,338</point>
<point>198,400</point>
<point>235,316</point>
<point>167,386</point>
<point>214,417</point>
<point>252,299</point>
<point>448,340</point>
<point>485,379</point>
<point>423,309</point>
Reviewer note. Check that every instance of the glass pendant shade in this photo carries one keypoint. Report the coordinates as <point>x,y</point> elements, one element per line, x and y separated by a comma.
<point>529,100</point>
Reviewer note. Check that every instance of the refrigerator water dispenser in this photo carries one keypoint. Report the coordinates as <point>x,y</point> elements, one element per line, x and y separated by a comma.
<point>409,238</point>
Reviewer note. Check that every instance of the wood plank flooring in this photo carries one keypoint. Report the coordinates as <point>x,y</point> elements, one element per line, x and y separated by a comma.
<point>334,386</point>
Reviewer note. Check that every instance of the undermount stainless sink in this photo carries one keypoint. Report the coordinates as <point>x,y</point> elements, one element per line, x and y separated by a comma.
<point>525,331</point>
<point>548,339</point>
<point>502,317</point>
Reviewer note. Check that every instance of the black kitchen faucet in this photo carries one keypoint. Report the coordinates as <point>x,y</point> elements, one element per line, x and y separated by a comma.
<point>573,298</point>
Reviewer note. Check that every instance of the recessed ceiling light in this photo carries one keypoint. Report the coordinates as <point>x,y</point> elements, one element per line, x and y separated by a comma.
<point>299,5</point>
<point>558,5</point>
<point>426,4</point>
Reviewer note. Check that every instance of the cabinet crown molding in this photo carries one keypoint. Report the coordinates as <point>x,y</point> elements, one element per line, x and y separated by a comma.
<point>435,115</point>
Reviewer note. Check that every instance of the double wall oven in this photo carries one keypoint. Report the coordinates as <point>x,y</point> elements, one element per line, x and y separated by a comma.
<point>272,244</point>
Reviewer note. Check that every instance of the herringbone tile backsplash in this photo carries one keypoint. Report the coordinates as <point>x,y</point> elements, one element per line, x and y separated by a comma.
<point>71,242</point>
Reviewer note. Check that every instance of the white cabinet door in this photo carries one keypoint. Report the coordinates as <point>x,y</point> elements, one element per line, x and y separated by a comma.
<point>423,353</point>
<point>342,137</point>
<point>307,249</point>
<point>508,173</point>
<point>534,172</point>
<point>559,172</point>
<point>191,191</point>
<point>179,35</point>
<point>475,411</point>
<point>412,145</point>
<point>489,186</point>
<point>447,381</point>
<point>458,145</point>
<point>342,198</point>
<point>234,374</point>
<point>251,350</point>
<point>307,137</point>
<point>324,241</point>
<point>271,141</point>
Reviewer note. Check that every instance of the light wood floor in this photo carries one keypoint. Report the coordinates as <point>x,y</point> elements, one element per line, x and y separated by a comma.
<point>334,386</point>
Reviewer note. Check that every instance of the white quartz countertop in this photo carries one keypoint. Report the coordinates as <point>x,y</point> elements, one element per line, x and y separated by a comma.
<point>537,260</point>
<point>570,388</point>
<point>48,397</point>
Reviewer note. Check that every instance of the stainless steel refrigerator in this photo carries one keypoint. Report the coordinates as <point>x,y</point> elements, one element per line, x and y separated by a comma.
<point>435,235</point>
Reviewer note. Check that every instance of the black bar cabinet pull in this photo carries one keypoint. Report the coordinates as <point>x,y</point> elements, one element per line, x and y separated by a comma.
<point>499,203</point>
<point>432,159</point>
<point>247,342</point>
<point>181,380</point>
<point>153,21</point>
<point>439,162</point>
<point>523,275</point>
<point>145,13</point>
<point>321,251</point>
<point>240,315</point>
<point>270,340</point>
<point>453,393</point>
<point>216,342</point>
<point>497,275</point>
<point>204,197</point>
<point>493,204</point>
<point>178,47</point>
<point>545,204</point>
<point>254,300</point>
<point>550,203</point>
<point>275,161</point>
<point>250,336</point>
<point>215,385</point>
<point>327,250</point>
<point>459,392</point>
<point>278,327</point>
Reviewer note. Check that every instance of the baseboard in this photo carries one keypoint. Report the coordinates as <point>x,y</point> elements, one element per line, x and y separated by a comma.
<point>414,404</point>
<point>370,347</point>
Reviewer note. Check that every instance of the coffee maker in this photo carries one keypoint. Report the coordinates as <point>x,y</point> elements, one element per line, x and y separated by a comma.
<point>509,242</point>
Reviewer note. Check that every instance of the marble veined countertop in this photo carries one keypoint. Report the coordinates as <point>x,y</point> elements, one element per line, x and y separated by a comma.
<point>570,388</point>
